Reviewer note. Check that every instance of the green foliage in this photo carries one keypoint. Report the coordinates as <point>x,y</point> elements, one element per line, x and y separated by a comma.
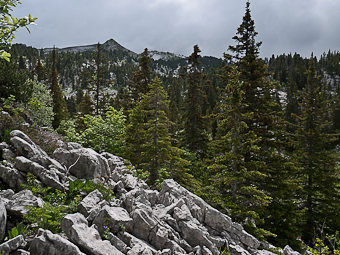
<point>77,186</point>
<point>40,105</point>
<point>20,229</point>
<point>48,216</point>
<point>195,137</point>
<point>104,133</point>
<point>13,82</point>
<point>101,133</point>
<point>9,25</point>
<point>67,128</point>
<point>59,103</point>
<point>321,249</point>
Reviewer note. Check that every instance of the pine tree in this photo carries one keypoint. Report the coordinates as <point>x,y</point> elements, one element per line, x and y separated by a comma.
<point>195,136</point>
<point>142,77</point>
<point>95,76</point>
<point>138,84</point>
<point>148,137</point>
<point>320,175</point>
<point>237,179</point>
<point>59,103</point>
<point>275,173</point>
<point>40,70</point>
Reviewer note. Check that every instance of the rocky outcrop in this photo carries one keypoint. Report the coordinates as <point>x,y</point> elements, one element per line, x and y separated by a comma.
<point>11,176</point>
<point>138,220</point>
<point>20,202</point>
<point>46,242</point>
<point>87,238</point>
<point>83,163</point>
<point>3,220</point>
<point>13,244</point>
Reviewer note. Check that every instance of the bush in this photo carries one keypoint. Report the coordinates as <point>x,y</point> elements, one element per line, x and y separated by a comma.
<point>99,133</point>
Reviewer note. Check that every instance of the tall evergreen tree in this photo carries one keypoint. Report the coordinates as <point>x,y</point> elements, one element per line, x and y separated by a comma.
<point>148,136</point>
<point>266,156</point>
<point>320,175</point>
<point>138,84</point>
<point>59,103</point>
<point>40,70</point>
<point>195,135</point>
<point>237,179</point>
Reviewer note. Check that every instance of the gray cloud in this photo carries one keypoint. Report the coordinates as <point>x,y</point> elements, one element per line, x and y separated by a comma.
<point>286,26</point>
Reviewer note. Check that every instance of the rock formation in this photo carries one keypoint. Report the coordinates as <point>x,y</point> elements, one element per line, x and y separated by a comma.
<point>140,220</point>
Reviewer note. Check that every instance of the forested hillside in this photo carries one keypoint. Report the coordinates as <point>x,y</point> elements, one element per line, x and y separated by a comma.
<point>256,138</point>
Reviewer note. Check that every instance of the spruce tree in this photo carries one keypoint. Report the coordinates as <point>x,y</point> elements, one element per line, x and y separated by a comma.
<point>275,173</point>
<point>138,84</point>
<point>238,180</point>
<point>195,136</point>
<point>59,103</point>
<point>148,137</point>
<point>40,70</point>
<point>319,161</point>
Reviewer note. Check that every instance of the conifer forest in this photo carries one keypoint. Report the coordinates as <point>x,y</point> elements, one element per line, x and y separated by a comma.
<point>256,138</point>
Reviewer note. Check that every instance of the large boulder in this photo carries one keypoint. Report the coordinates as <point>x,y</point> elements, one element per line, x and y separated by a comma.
<point>90,202</point>
<point>26,147</point>
<point>83,163</point>
<point>49,177</point>
<point>21,201</point>
<point>115,218</point>
<point>3,220</point>
<point>46,242</point>
<point>287,250</point>
<point>11,176</point>
<point>13,244</point>
<point>87,238</point>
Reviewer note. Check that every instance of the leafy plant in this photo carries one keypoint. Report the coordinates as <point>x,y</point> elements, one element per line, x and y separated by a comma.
<point>20,229</point>
<point>48,216</point>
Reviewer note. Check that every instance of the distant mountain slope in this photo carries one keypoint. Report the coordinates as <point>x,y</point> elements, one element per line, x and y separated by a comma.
<point>121,62</point>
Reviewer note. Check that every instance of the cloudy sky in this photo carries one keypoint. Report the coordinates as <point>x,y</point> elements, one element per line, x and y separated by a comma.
<point>284,26</point>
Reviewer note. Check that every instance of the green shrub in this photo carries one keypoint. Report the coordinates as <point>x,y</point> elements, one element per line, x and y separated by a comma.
<point>20,229</point>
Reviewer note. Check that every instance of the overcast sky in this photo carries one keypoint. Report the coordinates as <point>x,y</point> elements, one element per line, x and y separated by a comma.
<point>284,26</point>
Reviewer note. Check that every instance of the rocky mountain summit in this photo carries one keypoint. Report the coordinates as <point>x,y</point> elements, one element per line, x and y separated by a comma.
<point>140,220</point>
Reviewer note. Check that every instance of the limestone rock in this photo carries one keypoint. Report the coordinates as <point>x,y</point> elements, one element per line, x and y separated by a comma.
<point>48,243</point>
<point>216,220</point>
<point>119,244</point>
<point>26,147</point>
<point>114,218</point>
<point>11,176</point>
<point>13,244</point>
<point>19,202</point>
<point>20,252</point>
<point>47,176</point>
<point>143,223</point>
<point>3,220</point>
<point>287,250</point>
<point>87,238</point>
<point>84,163</point>
<point>90,202</point>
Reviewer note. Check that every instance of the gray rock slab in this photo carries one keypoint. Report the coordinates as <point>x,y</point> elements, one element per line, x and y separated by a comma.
<point>87,238</point>
<point>3,220</point>
<point>89,202</point>
<point>115,218</point>
<point>11,176</point>
<point>46,242</point>
<point>13,244</point>
<point>84,163</point>
<point>19,203</point>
